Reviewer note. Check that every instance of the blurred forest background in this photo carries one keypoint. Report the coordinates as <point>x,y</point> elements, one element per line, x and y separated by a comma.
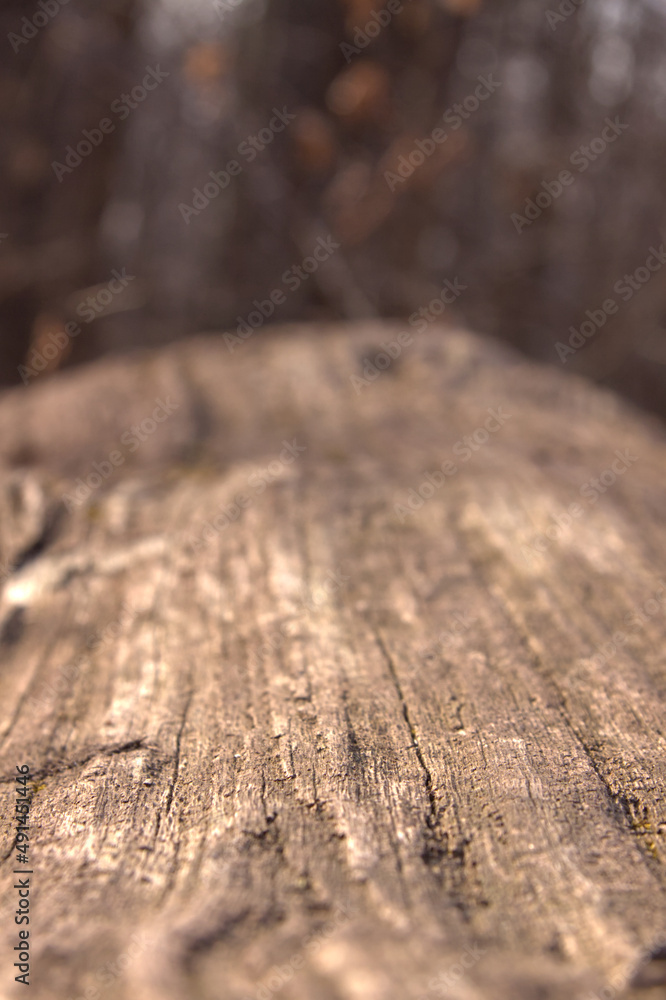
<point>362,93</point>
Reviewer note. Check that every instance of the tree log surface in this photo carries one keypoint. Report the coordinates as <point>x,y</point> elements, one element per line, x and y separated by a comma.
<point>281,751</point>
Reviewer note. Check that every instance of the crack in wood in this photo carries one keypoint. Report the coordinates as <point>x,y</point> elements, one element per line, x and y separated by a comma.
<point>53,767</point>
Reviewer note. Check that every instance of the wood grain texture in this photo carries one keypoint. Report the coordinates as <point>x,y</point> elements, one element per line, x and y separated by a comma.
<point>386,746</point>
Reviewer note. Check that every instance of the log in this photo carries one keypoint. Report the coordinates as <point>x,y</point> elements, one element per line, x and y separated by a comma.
<point>339,675</point>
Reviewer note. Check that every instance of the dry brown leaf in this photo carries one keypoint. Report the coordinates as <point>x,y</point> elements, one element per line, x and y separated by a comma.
<point>314,140</point>
<point>49,342</point>
<point>359,13</point>
<point>360,92</point>
<point>205,63</point>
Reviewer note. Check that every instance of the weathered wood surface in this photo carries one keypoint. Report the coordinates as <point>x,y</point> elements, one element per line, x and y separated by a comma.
<point>273,740</point>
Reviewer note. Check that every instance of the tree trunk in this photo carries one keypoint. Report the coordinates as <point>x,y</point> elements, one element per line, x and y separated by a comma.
<point>333,688</point>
